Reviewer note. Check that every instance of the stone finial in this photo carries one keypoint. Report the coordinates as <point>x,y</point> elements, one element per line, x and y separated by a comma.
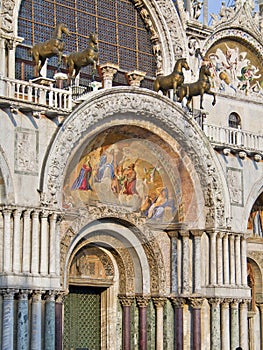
<point>135,77</point>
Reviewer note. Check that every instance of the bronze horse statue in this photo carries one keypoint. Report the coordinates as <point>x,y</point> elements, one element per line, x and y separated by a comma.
<point>76,60</point>
<point>173,80</point>
<point>198,88</point>
<point>53,47</point>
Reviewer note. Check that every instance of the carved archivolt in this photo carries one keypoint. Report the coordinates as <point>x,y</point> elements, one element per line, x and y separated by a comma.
<point>123,106</point>
<point>138,228</point>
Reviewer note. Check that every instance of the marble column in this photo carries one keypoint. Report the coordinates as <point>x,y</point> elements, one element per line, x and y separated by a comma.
<point>261,322</point>
<point>108,70</point>
<point>52,243</point>
<point>36,317</point>
<point>126,302</point>
<point>159,303</point>
<point>7,241</point>
<point>197,234</point>
<point>35,243</point>
<point>215,323</point>
<point>238,260</point>
<point>225,324</point>
<point>196,304</point>
<point>59,322</point>
<point>22,321</point>
<point>44,244</point>
<point>8,319</point>
<point>142,303</point>
<point>212,260</point>
<point>26,242</point>
<point>244,325</point>
<point>232,259</point>
<point>219,256</point>
<point>234,316</point>
<point>251,330</point>
<point>226,258</point>
<point>185,261</point>
<point>50,322</point>
<point>174,260</point>
<point>244,261</point>
<point>178,304</point>
<point>17,240</point>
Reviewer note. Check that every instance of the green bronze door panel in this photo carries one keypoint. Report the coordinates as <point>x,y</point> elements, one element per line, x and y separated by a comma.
<point>82,318</point>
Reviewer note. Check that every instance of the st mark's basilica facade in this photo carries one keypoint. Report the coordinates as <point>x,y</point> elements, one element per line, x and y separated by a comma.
<point>131,175</point>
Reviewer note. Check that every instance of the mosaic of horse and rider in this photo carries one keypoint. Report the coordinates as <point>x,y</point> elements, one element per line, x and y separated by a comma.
<point>90,55</point>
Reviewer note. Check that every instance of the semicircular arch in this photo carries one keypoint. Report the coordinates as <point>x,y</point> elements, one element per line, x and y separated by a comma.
<point>158,115</point>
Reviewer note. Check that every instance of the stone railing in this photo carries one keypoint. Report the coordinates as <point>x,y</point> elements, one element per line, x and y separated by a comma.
<point>34,94</point>
<point>234,138</point>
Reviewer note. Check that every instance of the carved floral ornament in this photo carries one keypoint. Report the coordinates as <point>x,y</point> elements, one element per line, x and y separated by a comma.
<point>128,109</point>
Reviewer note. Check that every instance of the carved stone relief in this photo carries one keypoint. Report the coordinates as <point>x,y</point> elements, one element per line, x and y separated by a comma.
<point>235,183</point>
<point>26,151</point>
<point>7,20</point>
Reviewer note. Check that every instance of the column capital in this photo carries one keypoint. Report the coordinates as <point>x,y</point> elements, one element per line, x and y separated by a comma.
<point>214,302</point>
<point>23,294</point>
<point>235,303</point>
<point>135,77</point>
<point>197,232</point>
<point>142,301</point>
<point>196,303</point>
<point>159,302</point>
<point>37,296</point>
<point>126,300</point>
<point>178,303</point>
<point>50,296</point>
<point>108,70</point>
<point>184,233</point>
<point>9,294</point>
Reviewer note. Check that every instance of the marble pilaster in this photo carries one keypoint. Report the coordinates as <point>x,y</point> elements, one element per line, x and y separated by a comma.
<point>52,243</point>
<point>226,258</point>
<point>36,312</point>
<point>243,325</point>
<point>17,239</point>
<point>159,303</point>
<point>142,302</point>
<point>22,321</point>
<point>225,324</point>
<point>186,263</point>
<point>8,319</point>
<point>234,316</point>
<point>212,260</point>
<point>197,234</point>
<point>26,242</point>
<point>244,260</point>
<point>261,321</point>
<point>7,241</point>
<point>174,260</point>
<point>238,260</point>
<point>126,302</point>
<point>44,243</point>
<point>35,243</point>
<point>219,255</point>
<point>215,323</point>
<point>50,322</point>
<point>232,259</point>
